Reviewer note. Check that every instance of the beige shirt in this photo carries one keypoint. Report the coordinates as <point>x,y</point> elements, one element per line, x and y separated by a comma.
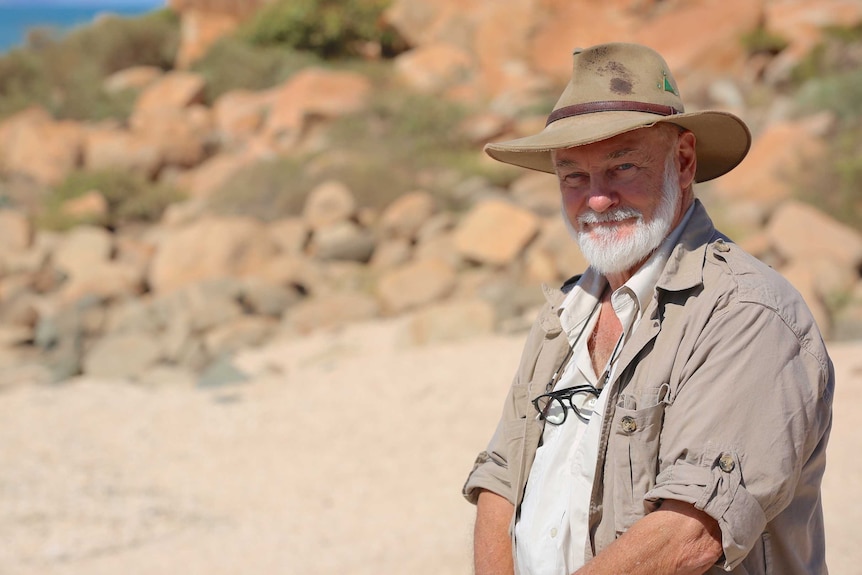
<point>722,398</point>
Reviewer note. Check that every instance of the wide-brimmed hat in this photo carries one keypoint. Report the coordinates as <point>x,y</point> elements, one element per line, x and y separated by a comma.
<point>616,88</point>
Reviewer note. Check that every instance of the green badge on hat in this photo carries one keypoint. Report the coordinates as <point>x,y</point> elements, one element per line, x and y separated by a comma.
<point>666,85</point>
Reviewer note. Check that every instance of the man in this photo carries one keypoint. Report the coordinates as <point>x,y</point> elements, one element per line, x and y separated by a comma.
<point>672,406</point>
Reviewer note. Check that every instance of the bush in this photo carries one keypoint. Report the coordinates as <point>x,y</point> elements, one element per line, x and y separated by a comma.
<point>130,198</point>
<point>831,80</point>
<point>65,74</point>
<point>232,64</point>
<point>328,28</point>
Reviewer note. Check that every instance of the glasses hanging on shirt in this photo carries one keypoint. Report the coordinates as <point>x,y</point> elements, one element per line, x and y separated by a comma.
<point>554,406</point>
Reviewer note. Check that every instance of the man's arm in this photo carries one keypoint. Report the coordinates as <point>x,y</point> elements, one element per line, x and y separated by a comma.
<point>492,545</point>
<point>674,539</point>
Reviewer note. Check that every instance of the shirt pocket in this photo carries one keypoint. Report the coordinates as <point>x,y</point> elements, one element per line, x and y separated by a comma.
<point>636,431</point>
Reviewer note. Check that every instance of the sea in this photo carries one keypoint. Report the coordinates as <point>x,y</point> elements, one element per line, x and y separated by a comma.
<point>16,20</point>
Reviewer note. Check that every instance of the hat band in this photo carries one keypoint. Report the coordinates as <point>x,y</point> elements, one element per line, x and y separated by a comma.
<point>610,106</point>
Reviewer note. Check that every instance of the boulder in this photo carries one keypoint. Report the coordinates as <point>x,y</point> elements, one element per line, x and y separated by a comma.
<point>34,145</point>
<point>212,247</point>
<point>314,92</point>
<point>135,78</point>
<point>415,284</point>
<point>329,203</point>
<point>108,148</point>
<point>290,235</point>
<point>450,321</point>
<point>342,241</point>
<point>405,216</point>
<point>433,68</point>
<point>82,249</point>
<point>122,356</point>
<point>495,232</point>
<point>240,114</point>
<point>799,231</point>
<point>175,90</point>
<point>331,311</point>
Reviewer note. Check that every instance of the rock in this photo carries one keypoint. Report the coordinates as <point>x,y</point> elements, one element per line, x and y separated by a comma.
<point>390,254</point>
<point>211,247</point>
<point>331,311</point>
<point>261,297</point>
<point>432,68</point>
<point>16,233</point>
<point>243,332</point>
<point>89,207</point>
<point>314,92</point>
<point>329,203</point>
<point>451,321</point>
<point>495,232</point>
<point>122,356</point>
<point>106,280</point>
<point>290,235</point>
<point>538,192</point>
<point>222,373</point>
<point>214,173</point>
<point>405,216</point>
<point>415,284</point>
<point>117,149</point>
<point>82,249</point>
<point>135,78</point>
<point>344,241</point>
<point>34,145</point>
<point>240,114</point>
<point>161,375</point>
<point>174,91</point>
<point>768,172</point>
<point>181,135</point>
<point>801,232</point>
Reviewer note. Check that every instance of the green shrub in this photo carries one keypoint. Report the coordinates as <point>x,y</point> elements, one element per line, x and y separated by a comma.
<point>130,198</point>
<point>329,28</point>
<point>65,73</point>
<point>762,41</point>
<point>232,64</point>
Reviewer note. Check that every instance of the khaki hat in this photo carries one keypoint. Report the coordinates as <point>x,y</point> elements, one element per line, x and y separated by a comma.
<point>616,88</point>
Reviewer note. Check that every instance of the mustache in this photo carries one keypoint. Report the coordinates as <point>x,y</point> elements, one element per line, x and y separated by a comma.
<point>615,215</point>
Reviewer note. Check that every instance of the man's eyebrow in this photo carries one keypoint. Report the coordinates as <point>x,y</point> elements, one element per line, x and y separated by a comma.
<point>620,153</point>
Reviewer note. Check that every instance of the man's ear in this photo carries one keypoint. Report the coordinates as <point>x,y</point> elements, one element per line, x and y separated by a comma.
<point>687,157</point>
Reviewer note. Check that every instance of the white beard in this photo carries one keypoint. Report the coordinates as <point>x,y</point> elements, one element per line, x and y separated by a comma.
<point>607,251</point>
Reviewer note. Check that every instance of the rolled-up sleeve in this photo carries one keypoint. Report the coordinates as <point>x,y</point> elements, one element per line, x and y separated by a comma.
<point>752,406</point>
<point>490,470</point>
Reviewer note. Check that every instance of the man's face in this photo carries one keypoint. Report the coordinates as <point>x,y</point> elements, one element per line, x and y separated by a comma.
<point>621,196</point>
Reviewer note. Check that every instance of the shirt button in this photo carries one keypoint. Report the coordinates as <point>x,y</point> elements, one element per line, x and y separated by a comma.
<point>628,424</point>
<point>591,402</point>
<point>726,463</point>
<point>720,246</point>
<point>553,532</point>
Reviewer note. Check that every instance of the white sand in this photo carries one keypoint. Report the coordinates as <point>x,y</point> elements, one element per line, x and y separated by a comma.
<point>345,454</point>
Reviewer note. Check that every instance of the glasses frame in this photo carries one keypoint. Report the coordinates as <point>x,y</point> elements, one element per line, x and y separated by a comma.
<point>564,396</point>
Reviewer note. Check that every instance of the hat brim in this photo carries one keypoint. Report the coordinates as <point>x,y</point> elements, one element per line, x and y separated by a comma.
<point>723,140</point>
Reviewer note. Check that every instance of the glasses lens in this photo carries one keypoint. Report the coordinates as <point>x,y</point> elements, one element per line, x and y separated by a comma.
<point>584,402</point>
<point>552,410</point>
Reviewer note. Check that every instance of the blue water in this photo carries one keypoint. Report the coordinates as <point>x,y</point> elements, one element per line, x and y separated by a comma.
<point>16,20</point>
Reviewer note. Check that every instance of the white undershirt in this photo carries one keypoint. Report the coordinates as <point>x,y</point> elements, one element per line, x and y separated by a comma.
<point>551,534</point>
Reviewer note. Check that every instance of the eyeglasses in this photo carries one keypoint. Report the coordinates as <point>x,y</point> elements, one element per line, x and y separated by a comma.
<point>552,407</point>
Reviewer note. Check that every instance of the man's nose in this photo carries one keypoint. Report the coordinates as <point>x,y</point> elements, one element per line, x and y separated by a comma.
<point>600,198</point>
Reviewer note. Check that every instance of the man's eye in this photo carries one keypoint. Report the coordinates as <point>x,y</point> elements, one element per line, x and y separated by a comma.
<point>623,167</point>
<point>572,179</point>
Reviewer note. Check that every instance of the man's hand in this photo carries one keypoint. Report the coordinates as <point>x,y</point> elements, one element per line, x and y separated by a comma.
<point>674,539</point>
<point>492,545</point>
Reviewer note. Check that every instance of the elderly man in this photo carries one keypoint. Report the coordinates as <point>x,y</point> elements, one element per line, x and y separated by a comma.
<point>672,406</point>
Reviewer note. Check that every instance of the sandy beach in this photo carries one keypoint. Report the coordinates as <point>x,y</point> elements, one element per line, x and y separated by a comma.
<point>344,453</point>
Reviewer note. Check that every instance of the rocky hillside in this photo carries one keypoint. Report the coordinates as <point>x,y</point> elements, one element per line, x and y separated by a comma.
<point>174,300</point>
